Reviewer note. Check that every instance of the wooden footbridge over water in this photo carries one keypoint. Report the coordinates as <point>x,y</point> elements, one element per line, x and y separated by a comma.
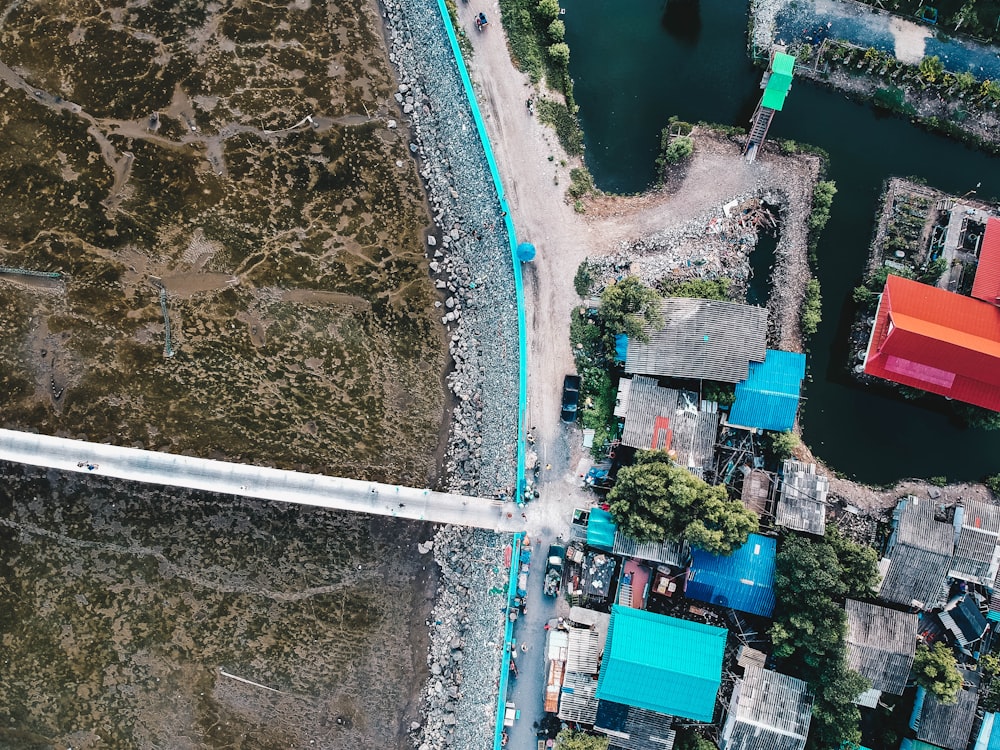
<point>259,482</point>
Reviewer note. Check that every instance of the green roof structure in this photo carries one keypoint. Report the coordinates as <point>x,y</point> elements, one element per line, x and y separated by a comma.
<point>779,82</point>
<point>662,664</point>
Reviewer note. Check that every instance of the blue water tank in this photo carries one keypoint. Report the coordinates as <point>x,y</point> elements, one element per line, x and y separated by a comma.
<point>525,252</point>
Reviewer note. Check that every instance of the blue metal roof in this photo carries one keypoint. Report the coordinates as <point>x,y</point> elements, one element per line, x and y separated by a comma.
<point>662,664</point>
<point>621,347</point>
<point>769,398</point>
<point>989,733</point>
<point>743,581</point>
<point>601,529</point>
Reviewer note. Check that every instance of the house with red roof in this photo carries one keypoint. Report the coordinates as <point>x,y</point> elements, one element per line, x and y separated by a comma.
<point>987,282</point>
<point>937,341</point>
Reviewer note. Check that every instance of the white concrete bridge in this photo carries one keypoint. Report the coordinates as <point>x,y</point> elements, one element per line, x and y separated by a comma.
<point>259,482</point>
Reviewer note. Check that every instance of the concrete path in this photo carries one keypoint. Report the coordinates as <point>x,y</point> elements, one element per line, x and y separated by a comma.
<point>255,481</point>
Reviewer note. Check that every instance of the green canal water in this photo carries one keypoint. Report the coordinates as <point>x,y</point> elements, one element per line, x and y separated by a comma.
<point>635,63</point>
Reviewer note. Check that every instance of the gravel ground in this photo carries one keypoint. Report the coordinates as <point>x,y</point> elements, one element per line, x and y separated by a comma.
<point>470,249</point>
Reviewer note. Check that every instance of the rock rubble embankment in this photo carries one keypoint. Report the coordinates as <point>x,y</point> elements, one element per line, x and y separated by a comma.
<point>470,259</point>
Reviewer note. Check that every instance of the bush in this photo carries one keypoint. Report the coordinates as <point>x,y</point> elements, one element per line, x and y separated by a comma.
<point>938,481</point>
<point>822,201</point>
<point>993,483</point>
<point>679,149</point>
<point>557,31</point>
<point>564,122</point>
<point>812,308</point>
<point>783,444</point>
<point>581,183</point>
<point>583,282</point>
<point>559,54</point>
<point>717,289</point>
<point>932,273</point>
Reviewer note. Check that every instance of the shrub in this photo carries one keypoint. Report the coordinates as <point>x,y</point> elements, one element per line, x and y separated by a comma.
<point>993,483</point>
<point>557,31</point>
<point>679,149</point>
<point>717,289</point>
<point>822,201</point>
<point>583,282</point>
<point>812,308</point>
<point>938,481</point>
<point>932,273</point>
<point>564,122</point>
<point>581,183</point>
<point>783,444</point>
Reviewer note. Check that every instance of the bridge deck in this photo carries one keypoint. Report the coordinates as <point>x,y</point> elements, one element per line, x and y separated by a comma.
<point>256,481</point>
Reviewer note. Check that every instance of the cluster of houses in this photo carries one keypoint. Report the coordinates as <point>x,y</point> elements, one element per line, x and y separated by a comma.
<point>660,634</point>
<point>629,670</point>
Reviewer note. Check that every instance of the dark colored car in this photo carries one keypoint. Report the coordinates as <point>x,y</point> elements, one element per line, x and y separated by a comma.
<point>570,398</point>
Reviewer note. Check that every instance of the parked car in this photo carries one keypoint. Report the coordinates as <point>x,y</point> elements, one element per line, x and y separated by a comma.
<point>570,397</point>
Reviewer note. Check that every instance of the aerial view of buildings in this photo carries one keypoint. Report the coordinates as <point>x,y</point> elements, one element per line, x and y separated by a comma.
<point>530,374</point>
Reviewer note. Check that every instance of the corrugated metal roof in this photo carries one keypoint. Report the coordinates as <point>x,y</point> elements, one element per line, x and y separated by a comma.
<point>988,739</point>
<point>768,711</point>
<point>881,644</point>
<point>987,283</point>
<point>601,529</point>
<point>769,398</point>
<point>743,580</point>
<point>662,664</point>
<point>937,341</point>
<point>779,82</point>
<point>948,725</point>
<point>701,338</point>
<point>802,503</point>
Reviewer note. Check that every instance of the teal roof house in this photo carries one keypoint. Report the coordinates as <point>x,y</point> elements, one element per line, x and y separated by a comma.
<point>662,664</point>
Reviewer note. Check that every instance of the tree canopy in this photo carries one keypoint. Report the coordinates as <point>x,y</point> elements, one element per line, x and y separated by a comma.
<point>628,306</point>
<point>812,578</point>
<point>567,739</point>
<point>654,499</point>
<point>936,669</point>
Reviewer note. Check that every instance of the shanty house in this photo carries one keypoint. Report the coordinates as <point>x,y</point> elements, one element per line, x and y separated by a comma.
<point>918,555</point>
<point>802,500</point>
<point>767,711</point>
<point>631,728</point>
<point>743,581</point>
<point>941,725</point>
<point>937,341</point>
<point>658,418</point>
<point>769,397</point>
<point>701,340</point>
<point>963,619</point>
<point>604,534</point>
<point>881,644</point>
<point>977,548</point>
<point>662,664</point>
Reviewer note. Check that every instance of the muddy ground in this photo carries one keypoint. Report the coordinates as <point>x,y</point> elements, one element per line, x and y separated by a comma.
<point>124,605</point>
<point>239,163</point>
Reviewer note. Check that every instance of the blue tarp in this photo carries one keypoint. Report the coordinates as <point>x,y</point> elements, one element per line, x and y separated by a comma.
<point>769,398</point>
<point>743,581</point>
<point>621,347</point>
<point>601,530</point>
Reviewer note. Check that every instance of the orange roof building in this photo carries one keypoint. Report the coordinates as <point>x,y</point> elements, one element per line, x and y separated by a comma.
<point>937,341</point>
<point>987,282</point>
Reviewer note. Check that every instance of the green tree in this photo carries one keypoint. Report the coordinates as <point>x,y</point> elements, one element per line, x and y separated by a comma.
<point>836,718</point>
<point>936,669</point>
<point>559,53</point>
<point>654,499</point>
<point>822,201</point>
<point>978,417</point>
<point>864,297</point>
<point>688,739</point>
<point>722,525</point>
<point>932,273</point>
<point>548,10</point>
<point>557,30</point>
<point>858,563</point>
<point>717,289</point>
<point>678,149</point>
<point>931,68</point>
<point>990,90</point>
<point>966,14</point>
<point>567,739</point>
<point>783,444</point>
<point>628,306</point>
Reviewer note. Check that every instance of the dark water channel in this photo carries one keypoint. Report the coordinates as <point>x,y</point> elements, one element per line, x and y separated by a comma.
<point>637,63</point>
